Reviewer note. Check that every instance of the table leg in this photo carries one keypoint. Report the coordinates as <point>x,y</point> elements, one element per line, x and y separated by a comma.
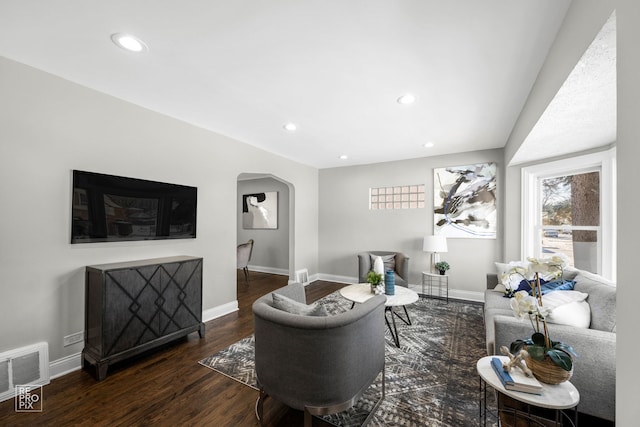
<point>394,330</point>
<point>407,321</point>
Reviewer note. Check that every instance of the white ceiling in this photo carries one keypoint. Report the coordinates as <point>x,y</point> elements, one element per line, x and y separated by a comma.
<point>244,68</point>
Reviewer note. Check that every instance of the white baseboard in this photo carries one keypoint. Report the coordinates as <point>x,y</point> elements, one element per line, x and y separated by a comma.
<point>336,278</point>
<point>270,270</point>
<point>466,295</point>
<point>66,365</point>
<point>219,311</point>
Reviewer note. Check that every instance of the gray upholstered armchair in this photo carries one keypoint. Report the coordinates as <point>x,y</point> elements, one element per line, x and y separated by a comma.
<point>396,261</point>
<point>244,256</point>
<point>318,364</point>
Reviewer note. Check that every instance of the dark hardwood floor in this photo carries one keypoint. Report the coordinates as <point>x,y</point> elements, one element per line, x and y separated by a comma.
<point>168,387</point>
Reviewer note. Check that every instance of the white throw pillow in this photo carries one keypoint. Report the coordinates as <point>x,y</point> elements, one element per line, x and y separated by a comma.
<point>568,308</point>
<point>378,265</point>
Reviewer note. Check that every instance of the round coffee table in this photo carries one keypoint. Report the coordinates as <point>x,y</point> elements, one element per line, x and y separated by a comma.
<point>361,292</point>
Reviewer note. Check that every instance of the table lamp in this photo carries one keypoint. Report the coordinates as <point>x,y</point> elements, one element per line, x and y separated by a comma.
<point>435,245</point>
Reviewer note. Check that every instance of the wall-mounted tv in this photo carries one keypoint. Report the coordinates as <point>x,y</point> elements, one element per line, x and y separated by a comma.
<point>108,208</point>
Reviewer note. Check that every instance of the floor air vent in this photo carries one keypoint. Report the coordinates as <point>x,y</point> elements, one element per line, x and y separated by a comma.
<point>23,366</point>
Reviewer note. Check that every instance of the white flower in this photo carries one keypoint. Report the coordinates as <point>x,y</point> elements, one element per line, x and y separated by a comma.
<point>511,278</point>
<point>523,304</point>
<point>548,268</point>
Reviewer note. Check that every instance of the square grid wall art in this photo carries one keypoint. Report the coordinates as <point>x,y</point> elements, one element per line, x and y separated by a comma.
<point>464,202</point>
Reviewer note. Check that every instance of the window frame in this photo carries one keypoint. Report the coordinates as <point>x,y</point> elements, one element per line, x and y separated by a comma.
<point>605,163</point>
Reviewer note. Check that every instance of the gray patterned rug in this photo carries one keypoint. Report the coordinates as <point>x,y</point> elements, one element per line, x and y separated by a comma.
<point>431,379</point>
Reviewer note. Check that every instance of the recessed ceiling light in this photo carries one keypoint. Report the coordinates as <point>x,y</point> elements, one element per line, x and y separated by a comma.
<point>290,127</point>
<point>128,42</point>
<point>406,99</point>
<point>428,145</point>
<point>344,157</point>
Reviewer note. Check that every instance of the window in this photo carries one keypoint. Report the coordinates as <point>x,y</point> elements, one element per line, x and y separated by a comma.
<point>569,208</point>
<point>400,197</point>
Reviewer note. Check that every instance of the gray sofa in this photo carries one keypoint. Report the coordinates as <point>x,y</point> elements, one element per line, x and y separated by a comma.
<point>317,363</point>
<point>594,373</point>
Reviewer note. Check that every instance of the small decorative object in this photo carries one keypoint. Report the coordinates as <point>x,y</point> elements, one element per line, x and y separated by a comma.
<point>442,267</point>
<point>389,283</point>
<point>551,362</point>
<point>516,361</point>
<point>374,279</point>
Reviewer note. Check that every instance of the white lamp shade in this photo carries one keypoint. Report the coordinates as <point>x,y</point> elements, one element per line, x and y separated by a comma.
<point>435,244</point>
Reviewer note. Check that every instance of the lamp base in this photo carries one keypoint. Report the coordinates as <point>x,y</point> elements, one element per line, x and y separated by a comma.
<point>435,258</point>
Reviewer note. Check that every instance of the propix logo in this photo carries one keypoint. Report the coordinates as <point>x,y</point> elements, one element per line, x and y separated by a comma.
<point>29,398</point>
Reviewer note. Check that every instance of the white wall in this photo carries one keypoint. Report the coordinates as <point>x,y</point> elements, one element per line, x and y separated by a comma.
<point>271,247</point>
<point>49,127</point>
<point>347,226</point>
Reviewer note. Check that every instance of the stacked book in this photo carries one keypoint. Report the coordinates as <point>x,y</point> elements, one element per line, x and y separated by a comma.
<point>515,379</point>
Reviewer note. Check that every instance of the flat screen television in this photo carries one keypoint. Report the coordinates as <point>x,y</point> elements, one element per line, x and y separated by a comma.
<point>108,208</point>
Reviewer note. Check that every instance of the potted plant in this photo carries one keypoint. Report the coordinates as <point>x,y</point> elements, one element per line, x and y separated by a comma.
<point>374,279</point>
<point>442,267</point>
<point>550,361</point>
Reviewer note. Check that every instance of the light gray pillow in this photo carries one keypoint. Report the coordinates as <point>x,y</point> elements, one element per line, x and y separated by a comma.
<point>602,300</point>
<point>294,307</point>
<point>388,260</point>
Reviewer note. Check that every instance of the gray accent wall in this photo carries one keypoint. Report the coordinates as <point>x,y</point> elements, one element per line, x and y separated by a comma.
<point>348,226</point>
<point>271,247</point>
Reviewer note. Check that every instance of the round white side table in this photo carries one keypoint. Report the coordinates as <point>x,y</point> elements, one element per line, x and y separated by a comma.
<point>559,397</point>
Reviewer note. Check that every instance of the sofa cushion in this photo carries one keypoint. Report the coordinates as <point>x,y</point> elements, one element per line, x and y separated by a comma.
<point>602,300</point>
<point>289,305</point>
<point>567,308</point>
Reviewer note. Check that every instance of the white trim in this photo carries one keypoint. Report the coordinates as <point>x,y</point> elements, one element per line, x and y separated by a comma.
<point>605,162</point>
<point>337,279</point>
<point>270,270</point>
<point>219,311</point>
<point>66,365</point>
<point>461,294</point>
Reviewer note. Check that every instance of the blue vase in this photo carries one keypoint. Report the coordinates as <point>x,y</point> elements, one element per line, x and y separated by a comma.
<point>389,283</point>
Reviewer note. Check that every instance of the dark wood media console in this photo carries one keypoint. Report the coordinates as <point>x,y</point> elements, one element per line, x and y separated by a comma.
<point>132,307</point>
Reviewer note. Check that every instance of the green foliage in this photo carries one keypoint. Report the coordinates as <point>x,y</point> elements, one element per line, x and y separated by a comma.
<point>442,266</point>
<point>374,278</point>
<point>561,354</point>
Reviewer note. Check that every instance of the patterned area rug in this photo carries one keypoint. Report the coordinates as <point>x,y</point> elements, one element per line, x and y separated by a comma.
<point>431,379</point>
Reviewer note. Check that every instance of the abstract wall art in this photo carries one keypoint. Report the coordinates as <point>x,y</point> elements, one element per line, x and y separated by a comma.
<point>260,210</point>
<point>464,202</point>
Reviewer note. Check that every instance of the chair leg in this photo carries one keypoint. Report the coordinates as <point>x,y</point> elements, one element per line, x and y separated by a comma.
<point>307,418</point>
<point>379,401</point>
<point>260,407</point>
<point>246,274</point>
